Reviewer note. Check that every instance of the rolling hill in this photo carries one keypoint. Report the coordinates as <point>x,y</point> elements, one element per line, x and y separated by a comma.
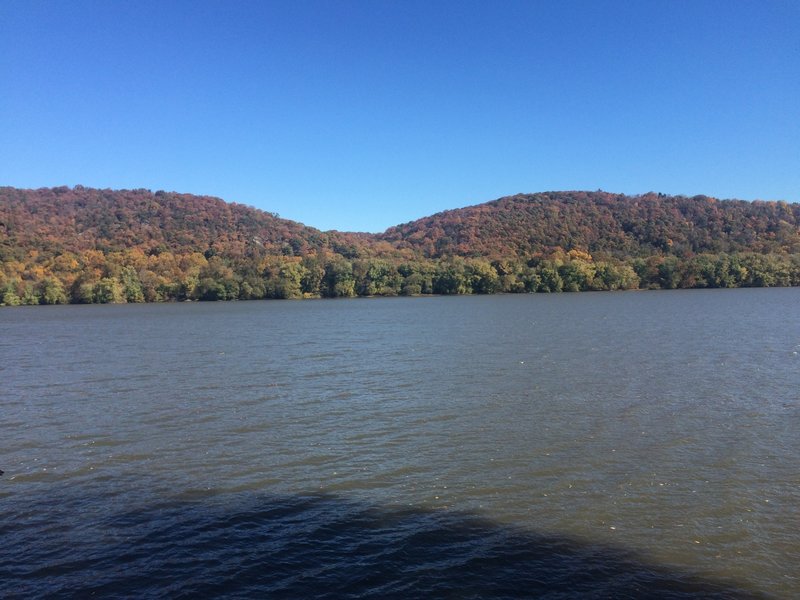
<point>603,223</point>
<point>81,244</point>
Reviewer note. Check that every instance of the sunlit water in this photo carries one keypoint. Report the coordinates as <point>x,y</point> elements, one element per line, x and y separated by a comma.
<point>577,445</point>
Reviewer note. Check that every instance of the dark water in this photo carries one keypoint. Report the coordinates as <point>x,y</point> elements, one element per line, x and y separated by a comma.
<point>577,445</point>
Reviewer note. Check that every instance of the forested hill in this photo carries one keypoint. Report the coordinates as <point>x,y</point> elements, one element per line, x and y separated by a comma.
<point>87,245</point>
<point>77,219</point>
<point>604,224</point>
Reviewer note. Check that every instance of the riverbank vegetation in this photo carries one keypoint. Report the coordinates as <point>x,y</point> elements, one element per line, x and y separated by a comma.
<point>82,245</point>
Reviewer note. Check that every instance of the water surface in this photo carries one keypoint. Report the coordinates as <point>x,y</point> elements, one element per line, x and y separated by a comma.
<point>598,444</point>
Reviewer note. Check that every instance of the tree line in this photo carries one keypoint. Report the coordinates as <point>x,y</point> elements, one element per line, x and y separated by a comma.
<point>133,276</point>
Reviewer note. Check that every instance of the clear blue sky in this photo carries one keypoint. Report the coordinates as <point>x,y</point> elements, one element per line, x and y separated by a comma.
<point>362,115</point>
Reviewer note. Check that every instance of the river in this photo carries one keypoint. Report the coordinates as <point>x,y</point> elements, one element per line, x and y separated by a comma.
<point>614,444</point>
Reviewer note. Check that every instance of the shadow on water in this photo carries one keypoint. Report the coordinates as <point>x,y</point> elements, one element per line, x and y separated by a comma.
<point>318,546</point>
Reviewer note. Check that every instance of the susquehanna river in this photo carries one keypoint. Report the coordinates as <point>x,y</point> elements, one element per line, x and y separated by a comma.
<point>636,444</point>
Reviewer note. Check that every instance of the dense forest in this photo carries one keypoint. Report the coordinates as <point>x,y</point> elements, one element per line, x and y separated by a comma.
<point>83,245</point>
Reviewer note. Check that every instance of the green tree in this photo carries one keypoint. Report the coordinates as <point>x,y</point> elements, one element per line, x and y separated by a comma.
<point>549,278</point>
<point>312,282</point>
<point>339,279</point>
<point>577,275</point>
<point>417,277</point>
<point>131,285</point>
<point>108,291</point>
<point>375,277</point>
<point>215,281</point>
<point>8,294</point>
<point>482,277</point>
<point>412,285</point>
<point>511,275</point>
<point>210,290</point>
<point>668,273</point>
<point>283,279</point>
<point>52,292</point>
<point>610,276</point>
<point>450,278</point>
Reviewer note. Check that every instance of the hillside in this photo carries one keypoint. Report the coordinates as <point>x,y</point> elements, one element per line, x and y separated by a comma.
<point>604,224</point>
<point>78,219</point>
<point>87,245</point>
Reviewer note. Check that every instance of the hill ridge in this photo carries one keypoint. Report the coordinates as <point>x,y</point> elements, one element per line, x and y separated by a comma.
<point>92,245</point>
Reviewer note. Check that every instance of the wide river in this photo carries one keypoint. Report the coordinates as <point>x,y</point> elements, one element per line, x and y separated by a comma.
<point>601,445</point>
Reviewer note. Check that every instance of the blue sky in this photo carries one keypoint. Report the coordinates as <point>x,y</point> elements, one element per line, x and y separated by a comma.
<point>362,115</point>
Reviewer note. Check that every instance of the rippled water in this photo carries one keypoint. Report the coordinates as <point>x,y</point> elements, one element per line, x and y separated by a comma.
<point>576,445</point>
